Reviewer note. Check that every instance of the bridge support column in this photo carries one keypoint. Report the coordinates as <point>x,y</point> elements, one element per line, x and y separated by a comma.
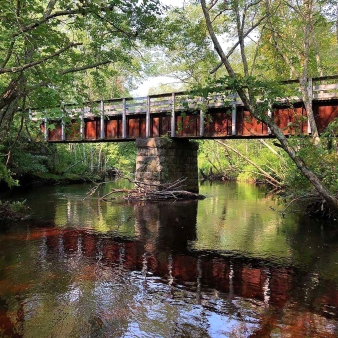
<point>160,160</point>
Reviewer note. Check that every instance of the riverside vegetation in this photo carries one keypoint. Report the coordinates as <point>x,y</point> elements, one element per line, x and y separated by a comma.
<point>53,52</point>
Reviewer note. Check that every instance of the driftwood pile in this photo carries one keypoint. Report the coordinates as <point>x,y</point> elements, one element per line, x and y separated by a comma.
<point>152,192</point>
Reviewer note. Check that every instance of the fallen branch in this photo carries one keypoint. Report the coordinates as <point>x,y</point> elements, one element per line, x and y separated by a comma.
<point>152,192</point>
<point>315,206</point>
<point>135,195</point>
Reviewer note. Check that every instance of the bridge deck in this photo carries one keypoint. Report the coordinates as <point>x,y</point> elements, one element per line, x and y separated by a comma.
<point>182,116</point>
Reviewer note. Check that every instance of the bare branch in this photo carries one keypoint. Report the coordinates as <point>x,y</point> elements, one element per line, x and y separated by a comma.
<point>218,14</point>
<point>237,43</point>
<point>262,171</point>
<point>128,34</point>
<point>49,8</point>
<point>212,4</point>
<point>57,14</point>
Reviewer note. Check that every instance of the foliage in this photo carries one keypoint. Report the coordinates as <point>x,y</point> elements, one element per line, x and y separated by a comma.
<point>55,52</point>
<point>95,158</point>
<point>321,160</point>
<point>223,162</point>
<point>6,177</point>
<point>184,47</point>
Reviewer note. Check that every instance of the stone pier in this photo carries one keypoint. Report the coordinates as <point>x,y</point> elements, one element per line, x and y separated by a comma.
<point>161,160</point>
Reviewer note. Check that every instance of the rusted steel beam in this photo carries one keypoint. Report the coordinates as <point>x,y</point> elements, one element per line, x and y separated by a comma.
<point>144,117</point>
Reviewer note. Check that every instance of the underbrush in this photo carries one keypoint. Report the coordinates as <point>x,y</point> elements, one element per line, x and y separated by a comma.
<point>13,210</point>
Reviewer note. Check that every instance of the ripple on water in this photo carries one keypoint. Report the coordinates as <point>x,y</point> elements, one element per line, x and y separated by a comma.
<point>225,266</point>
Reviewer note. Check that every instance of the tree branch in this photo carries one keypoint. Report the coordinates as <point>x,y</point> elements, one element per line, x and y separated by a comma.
<point>237,43</point>
<point>262,171</point>
<point>49,8</point>
<point>45,19</point>
<point>221,54</point>
<point>9,54</point>
<point>32,64</point>
<point>48,16</point>
<point>79,69</point>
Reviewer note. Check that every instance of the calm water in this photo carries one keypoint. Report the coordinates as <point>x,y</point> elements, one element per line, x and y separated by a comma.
<point>227,266</point>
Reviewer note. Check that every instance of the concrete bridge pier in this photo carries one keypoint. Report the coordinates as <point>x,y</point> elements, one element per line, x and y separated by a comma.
<point>161,159</point>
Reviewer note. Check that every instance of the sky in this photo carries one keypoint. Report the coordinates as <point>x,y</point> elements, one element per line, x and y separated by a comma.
<point>144,87</point>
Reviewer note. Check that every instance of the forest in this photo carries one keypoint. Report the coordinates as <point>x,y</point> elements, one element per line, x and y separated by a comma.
<point>54,52</point>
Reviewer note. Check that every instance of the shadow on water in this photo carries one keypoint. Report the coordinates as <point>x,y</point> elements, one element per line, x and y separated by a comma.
<point>183,269</point>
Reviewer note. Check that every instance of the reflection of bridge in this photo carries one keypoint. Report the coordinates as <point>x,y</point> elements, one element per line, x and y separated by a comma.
<point>245,286</point>
<point>273,287</point>
<point>268,292</point>
<point>182,115</point>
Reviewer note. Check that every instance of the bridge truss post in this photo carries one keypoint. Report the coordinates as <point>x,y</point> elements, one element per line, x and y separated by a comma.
<point>82,124</point>
<point>201,120</point>
<point>233,116</point>
<point>45,131</point>
<point>102,134</point>
<point>63,129</point>
<point>173,115</point>
<point>270,115</point>
<point>124,118</point>
<point>310,94</point>
<point>148,117</point>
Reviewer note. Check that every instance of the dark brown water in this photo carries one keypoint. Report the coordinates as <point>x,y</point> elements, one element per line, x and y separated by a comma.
<point>227,266</point>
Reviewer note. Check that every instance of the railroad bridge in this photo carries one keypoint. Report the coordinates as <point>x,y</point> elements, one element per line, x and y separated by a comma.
<point>163,124</point>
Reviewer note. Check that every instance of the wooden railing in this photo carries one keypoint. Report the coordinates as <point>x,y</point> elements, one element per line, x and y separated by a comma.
<point>171,103</point>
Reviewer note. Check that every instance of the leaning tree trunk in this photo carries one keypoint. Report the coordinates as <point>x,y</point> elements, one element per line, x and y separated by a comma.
<point>6,119</point>
<point>249,104</point>
<point>315,181</point>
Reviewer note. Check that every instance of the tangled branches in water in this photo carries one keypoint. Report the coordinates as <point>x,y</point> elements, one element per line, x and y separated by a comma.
<point>151,192</point>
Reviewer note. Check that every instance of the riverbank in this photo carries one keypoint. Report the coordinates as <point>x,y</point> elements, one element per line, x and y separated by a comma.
<point>17,210</point>
<point>13,211</point>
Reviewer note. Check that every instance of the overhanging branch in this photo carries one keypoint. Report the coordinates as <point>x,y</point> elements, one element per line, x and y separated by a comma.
<point>238,42</point>
<point>32,64</point>
<point>79,69</point>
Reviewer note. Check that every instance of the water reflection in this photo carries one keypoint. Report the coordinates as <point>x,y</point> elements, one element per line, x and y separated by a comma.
<point>167,269</point>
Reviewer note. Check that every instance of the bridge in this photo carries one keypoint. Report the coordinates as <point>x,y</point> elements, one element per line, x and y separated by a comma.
<point>181,117</point>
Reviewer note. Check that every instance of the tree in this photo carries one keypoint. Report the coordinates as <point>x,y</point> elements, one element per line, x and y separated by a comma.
<point>246,87</point>
<point>294,30</point>
<point>56,51</point>
<point>47,46</point>
<point>183,50</point>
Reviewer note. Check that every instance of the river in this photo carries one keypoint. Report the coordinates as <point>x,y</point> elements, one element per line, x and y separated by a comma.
<point>226,266</point>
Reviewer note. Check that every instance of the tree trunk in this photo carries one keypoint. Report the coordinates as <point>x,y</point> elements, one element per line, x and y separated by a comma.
<point>313,179</point>
<point>305,86</point>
